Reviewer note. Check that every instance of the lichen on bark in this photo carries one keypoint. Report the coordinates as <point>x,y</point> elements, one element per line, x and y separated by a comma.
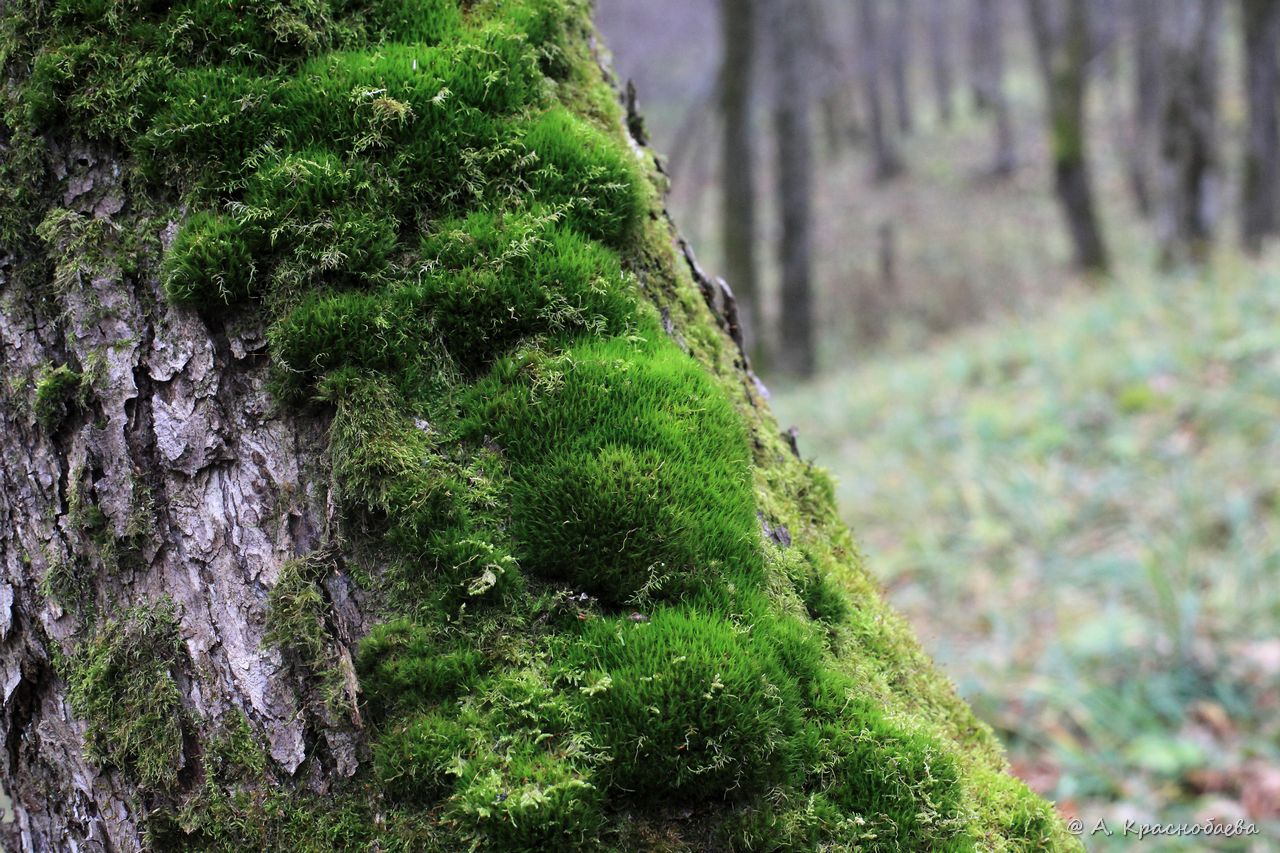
<point>467,519</point>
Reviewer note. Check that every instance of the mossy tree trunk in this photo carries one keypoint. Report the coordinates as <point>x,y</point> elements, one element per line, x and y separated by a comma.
<point>1062,44</point>
<point>380,472</point>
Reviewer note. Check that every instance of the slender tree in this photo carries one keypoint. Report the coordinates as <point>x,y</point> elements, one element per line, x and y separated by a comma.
<point>898,51</point>
<point>987,45</point>
<point>1062,44</point>
<point>940,49</point>
<point>886,158</point>
<point>1187,170</point>
<point>1260,189</point>
<point>1144,147</point>
<point>797,353</point>
<point>737,159</point>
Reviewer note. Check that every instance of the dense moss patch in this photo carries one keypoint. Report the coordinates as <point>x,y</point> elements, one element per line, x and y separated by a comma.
<point>122,684</point>
<point>585,620</point>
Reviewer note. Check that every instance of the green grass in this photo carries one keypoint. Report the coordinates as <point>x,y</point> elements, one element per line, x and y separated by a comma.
<point>1093,496</point>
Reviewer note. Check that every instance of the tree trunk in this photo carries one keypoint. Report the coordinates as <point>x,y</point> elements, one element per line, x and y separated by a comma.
<point>737,164</point>
<point>886,159</point>
<point>1063,48</point>
<point>899,54</point>
<point>379,470</point>
<point>939,22</point>
<point>797,353</point>
<point>1145,147</point>
<point>988,62</point>
<point>1188,158</point>
<point>1260,191</point>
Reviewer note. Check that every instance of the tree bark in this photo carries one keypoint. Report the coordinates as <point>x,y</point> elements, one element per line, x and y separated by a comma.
<point>797,353</point>
<point>886,157</point>
<point>987,44</point>
<point>1063,48</point>
<point>178,479</point>
<point>737,161</point>
<point>1188,157</point>
<point>939,21</point>
<point>1260,189</point>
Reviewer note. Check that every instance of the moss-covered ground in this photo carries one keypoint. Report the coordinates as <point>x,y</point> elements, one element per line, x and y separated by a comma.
<point>619,612</point>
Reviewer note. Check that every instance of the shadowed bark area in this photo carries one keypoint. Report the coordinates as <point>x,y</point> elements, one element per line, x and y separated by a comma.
<point>381,472</point>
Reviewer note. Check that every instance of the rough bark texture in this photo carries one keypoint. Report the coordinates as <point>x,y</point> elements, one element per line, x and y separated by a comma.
<point>206,487</point>
<point>797,348</point>
<point>1188,177</point>
<point>1063,48</point>
<point>738,160</point>
<point>1260,189</point>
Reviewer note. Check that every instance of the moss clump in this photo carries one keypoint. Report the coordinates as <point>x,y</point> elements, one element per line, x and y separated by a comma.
<point>297,625</point>
<point>211,263</point>
<point>59,392</point>
<point>122,684</point>
<point>628,469</point>
<point>579,166</point>
<point>694,708</point>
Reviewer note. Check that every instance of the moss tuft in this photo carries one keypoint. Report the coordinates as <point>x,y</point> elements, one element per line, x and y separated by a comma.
<point>628,469</point>
<point>122,684</point>
<point>59,392</point>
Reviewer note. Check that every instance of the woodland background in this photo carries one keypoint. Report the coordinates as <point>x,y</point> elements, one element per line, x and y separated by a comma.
<point>1008,267</point>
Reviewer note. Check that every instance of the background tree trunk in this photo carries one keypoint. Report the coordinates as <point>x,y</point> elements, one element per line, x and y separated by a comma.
<point>939,22</point>
<point>987,45</point>
<point>1188,177</point>
<point>1063,47</point>
<point>737,161</point>
<point>886,158</point>
<point>1145,146</point>
<point>797,355</point>
<point>899,54</point>
<point>1260,188</point>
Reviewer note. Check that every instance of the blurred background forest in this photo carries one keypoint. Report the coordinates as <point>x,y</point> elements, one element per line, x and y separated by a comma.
<point>1008,267</point>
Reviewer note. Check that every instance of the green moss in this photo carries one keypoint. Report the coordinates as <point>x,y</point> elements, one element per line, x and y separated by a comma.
<point>592,174</point>
<point>404,666</point>
<point>121,682</point>
<point>628,469</point>
<point>693,709</point>
<point>59,392</point>
<point>212,262</point>
<point>296,624</point>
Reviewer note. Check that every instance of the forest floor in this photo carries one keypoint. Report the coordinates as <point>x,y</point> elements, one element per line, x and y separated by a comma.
<point>1080,514</point>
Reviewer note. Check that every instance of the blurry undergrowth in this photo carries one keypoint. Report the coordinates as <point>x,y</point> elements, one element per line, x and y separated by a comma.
<point>1094,495</point>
